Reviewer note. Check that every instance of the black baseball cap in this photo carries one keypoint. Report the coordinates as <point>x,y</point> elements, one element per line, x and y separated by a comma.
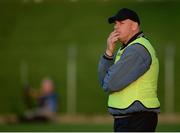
<point>124,14</point>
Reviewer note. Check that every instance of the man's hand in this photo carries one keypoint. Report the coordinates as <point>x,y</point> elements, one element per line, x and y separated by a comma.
<point>111,43</point>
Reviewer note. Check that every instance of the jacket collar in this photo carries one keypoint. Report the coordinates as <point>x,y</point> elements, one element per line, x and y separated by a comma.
<point>139,34</point>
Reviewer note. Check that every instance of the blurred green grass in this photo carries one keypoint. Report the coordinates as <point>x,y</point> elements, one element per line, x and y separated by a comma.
<point>39,127</point>
<point>40,34</point>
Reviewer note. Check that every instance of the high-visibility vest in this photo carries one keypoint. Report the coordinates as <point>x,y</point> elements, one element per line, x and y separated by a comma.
<point>144,89</point>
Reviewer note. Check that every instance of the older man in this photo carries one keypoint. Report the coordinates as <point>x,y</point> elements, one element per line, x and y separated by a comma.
<point>130,76</point>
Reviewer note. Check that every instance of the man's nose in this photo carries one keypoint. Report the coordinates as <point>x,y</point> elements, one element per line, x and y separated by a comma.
<point>115,26</point>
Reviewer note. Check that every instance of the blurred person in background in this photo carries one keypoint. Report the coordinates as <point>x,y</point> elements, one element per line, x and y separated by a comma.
<point>46,100</point>
<point>130,76</point>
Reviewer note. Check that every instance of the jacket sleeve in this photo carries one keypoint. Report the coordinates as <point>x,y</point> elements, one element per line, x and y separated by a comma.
<point>104,65</point>
<point>134,62</point>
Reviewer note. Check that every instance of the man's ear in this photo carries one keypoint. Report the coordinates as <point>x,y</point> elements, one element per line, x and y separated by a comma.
<point>134,26</point>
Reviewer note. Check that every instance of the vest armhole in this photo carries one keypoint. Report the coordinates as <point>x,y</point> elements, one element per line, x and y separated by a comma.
<point>146,50</point>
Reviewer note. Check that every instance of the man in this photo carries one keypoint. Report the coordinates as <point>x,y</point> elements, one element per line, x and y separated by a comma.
<point>46,100</point>
<point>130,76</point>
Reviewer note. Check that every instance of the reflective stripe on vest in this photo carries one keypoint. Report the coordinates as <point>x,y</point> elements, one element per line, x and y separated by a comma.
<point>144,89</point>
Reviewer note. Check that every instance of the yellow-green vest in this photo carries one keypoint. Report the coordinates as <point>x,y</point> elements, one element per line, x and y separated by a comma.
<point>144,89</point>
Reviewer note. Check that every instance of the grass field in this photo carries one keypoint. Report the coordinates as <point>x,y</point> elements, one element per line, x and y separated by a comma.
<point>40,34</point>
<point>76,127</point>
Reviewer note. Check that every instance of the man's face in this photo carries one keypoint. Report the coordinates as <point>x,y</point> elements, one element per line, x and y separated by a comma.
<point>47,86</point>
<point>124,28</point>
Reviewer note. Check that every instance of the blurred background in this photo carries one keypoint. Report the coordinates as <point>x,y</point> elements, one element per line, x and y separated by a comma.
<point>63,40</point>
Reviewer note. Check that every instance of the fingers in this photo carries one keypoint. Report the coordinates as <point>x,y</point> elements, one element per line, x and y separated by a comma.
<point>114,34</point>
<point>114,37</point>
<point>111,42</point>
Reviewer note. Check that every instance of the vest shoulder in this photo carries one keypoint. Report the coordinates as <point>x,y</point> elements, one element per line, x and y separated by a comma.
<point>140,50</point>
<point>138,47</point>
